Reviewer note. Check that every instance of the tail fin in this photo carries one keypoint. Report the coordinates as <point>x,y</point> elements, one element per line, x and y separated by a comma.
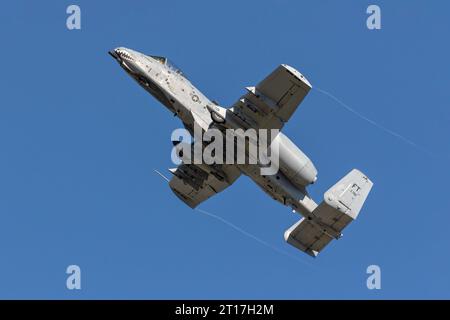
<point>342,204</point>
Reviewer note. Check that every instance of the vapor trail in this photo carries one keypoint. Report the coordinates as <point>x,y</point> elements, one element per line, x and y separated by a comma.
<point>379,126</point>
<point>161,175</point>
<point>242,231</point>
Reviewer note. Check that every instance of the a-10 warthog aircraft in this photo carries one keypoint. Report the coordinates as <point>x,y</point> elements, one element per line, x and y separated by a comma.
<point>268,105</point>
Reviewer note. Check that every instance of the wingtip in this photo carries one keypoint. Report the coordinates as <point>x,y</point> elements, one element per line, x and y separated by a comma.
<point>297,74</point>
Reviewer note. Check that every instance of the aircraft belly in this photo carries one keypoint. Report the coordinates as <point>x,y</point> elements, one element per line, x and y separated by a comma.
<point>264,182</point>
<point>281,189</point>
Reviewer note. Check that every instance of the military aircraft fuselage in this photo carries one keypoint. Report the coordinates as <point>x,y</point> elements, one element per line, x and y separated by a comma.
<point>264,108</point>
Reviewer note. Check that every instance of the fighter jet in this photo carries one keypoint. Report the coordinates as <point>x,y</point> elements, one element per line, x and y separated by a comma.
<point>268,105</point>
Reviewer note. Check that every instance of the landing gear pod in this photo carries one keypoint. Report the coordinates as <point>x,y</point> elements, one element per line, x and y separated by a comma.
<point>217,115</point>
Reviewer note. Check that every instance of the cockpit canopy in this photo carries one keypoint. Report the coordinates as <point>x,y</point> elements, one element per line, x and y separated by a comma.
<point>168,63</point>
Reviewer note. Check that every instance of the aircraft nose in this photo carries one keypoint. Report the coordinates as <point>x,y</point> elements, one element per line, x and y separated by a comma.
<point>113,54</point>
<point>122,54</point>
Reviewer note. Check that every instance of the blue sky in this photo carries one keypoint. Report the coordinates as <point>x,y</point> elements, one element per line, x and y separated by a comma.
<point>79,141</point>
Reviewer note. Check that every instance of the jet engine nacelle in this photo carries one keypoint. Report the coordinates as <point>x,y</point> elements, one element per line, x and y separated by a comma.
<point>293,162</point>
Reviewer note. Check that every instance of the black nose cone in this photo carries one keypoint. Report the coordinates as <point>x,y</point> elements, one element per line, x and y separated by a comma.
<point>113,54</point>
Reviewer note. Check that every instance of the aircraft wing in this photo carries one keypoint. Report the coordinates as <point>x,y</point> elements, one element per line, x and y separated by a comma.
<point>194,184</point>
<point>272,102</point>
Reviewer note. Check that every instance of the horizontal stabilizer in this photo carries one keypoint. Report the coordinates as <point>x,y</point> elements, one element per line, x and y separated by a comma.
<point>342,204</point>
<point>307,236</point>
